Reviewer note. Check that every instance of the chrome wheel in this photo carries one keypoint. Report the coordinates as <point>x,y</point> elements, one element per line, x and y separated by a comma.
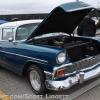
<point>35,80</point>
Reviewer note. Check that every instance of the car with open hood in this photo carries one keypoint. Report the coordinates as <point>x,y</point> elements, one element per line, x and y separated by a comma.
<point>48,52</point>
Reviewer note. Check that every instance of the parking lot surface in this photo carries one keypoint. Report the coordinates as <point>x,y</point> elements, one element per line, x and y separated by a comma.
<point>17,88</point>
<point>93,94</point>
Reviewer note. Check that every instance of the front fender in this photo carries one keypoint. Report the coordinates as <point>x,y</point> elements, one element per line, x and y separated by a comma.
<point>45,56</point>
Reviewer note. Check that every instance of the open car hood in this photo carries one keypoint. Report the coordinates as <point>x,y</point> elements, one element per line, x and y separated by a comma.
<point>63,18</point>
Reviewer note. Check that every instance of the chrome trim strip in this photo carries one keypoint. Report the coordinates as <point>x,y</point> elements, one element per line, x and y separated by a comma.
<point>80,9</point>
<point>73,79</point>
<point>62,66</point>
<point>48,73</point>
<point>25,56</point>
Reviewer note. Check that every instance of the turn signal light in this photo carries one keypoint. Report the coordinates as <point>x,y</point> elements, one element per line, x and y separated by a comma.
<point>60,72</point>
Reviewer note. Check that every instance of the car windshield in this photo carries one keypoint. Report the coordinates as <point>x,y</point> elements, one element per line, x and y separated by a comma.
<point>24,31</point>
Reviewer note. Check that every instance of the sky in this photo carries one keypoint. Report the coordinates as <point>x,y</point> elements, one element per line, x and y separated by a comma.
<point>37,5</point>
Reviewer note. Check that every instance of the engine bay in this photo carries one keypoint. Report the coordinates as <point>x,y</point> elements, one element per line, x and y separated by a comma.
<point>77,48</point>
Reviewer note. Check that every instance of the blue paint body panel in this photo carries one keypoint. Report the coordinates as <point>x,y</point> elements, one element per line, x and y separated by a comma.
<point>14,56</point>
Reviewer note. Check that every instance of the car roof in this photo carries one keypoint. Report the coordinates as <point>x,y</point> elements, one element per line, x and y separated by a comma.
<point>18,23</point>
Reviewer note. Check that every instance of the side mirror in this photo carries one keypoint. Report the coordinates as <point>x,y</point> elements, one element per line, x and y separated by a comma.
<point>10,39</point>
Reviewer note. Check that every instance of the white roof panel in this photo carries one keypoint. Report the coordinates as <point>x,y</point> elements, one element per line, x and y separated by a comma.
<point>18,23</point>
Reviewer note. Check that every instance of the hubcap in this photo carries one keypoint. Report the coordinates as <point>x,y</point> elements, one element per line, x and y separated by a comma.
<point>35,80</point>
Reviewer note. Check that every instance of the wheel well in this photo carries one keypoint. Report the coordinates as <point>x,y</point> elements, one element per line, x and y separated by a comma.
<point>27,65</point>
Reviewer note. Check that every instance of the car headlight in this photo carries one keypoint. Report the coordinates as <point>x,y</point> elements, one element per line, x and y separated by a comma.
<point>61,57</point>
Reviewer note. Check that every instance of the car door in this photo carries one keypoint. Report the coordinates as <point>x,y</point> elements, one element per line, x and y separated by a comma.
<point>7,49</point>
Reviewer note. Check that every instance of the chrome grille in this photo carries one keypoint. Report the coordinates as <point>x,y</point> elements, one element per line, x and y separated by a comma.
<point>82,64</point>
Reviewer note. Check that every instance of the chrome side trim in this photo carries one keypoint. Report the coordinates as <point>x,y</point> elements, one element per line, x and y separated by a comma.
<point>62,66</point>
<point>24,56</point>
<point>48,73</point>
<point>80,9</point>
<point>71,80</point>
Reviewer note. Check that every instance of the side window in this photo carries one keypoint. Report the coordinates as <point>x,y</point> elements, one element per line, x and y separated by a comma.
<point>7,33</point>
<point>22,33</point>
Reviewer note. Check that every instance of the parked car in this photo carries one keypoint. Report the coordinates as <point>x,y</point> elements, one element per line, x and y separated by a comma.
<point>54,62</point>
<point>3,21</point>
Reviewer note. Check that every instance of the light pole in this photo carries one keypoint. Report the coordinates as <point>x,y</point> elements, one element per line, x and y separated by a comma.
<point>97,4</point>
<point>98,8</point>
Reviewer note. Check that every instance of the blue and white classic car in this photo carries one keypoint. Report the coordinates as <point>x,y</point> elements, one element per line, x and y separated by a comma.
<point>52,62</point>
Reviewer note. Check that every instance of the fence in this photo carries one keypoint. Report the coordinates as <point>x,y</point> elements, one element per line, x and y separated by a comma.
<point>22,15</point>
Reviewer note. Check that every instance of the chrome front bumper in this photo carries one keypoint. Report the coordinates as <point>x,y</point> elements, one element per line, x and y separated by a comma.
<point>74,78</point>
